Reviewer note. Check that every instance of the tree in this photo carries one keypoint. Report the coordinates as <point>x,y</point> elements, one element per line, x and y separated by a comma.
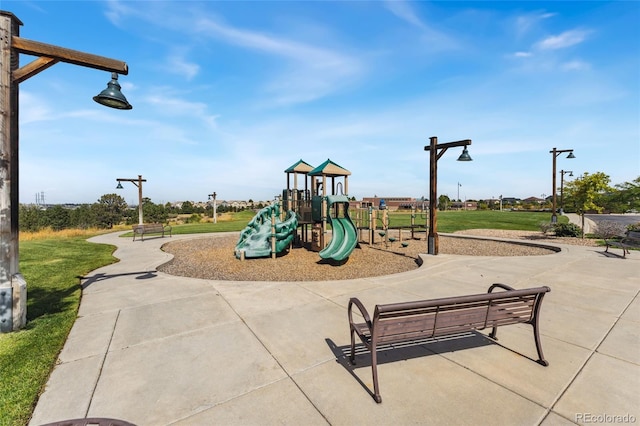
<point>187,207</point>
<point>58,218</point>
<point>628,196</point>
<point>443,202</point>
<point>109,210</point>
<point>32,218</point>
<point>587,193</point>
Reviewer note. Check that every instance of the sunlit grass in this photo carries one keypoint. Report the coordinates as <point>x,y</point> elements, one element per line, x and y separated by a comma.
<point>51,267</point>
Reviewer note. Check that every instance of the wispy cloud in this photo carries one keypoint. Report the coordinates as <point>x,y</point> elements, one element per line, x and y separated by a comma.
<point>576,65</point>
<point>184,108</point>
<point>311,72</point>
<point>526,23</point>
<point>403,10</point>
<point>177,64</point>
<point>563,40</point>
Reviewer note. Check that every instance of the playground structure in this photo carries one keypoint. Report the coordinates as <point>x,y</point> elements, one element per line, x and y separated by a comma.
<point>322,204</point>
<point>317,206</point>
<point>373,223</point>
<point>266,234</point>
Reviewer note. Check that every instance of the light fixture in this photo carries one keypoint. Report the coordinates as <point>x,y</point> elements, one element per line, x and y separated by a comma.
<point>112,96</point>
<point>119,185</point>
<point>571,155</point>
<point>465,155</point>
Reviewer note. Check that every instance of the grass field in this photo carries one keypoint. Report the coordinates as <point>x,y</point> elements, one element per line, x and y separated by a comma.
<point>51,263</point>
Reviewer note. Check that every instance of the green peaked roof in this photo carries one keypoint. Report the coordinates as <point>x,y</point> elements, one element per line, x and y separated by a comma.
<point>300,167</point>
<point>329,168</point>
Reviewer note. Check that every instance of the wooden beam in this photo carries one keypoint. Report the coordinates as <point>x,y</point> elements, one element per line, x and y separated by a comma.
<point>33,68</point>
<point>70,56</point>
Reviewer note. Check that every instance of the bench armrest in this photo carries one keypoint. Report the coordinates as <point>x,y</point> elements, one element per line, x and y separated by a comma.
<point>362,309</point>
<point>502,286</point>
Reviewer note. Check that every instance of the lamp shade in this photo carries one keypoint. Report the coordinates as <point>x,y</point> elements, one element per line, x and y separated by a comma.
<point>119,185</point>
<point>571,155</point>
<point>465,155</point>
<point>112,96</point>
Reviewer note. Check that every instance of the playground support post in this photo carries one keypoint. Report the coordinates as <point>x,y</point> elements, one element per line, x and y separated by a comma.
<point>435,152</point>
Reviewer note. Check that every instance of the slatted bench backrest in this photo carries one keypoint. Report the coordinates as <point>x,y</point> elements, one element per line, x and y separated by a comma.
<point>398,322</point>
<point>148,228</point>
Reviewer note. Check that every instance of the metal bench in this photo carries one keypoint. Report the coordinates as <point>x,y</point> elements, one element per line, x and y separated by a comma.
<point>150,228</point>
<point>630,240</point>
<point>412,321</point>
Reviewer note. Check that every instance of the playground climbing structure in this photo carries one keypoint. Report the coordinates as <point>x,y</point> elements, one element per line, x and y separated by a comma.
<point>266,234</point>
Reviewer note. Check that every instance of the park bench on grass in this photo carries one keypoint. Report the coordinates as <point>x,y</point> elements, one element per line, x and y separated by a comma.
<point>630,240</point>
<point>150,228</point>
<point>413,321</point>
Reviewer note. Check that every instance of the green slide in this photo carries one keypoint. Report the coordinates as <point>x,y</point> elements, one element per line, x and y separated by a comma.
<point>344,236</point>
<point>255,239</point>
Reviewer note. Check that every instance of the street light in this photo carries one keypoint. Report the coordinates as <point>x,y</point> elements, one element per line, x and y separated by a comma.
<point>556,152</point>
<point>137,182</point>
<point>562,173</point>
<point>13,287</point>
<point>435,152</point>
<point>215,214</point>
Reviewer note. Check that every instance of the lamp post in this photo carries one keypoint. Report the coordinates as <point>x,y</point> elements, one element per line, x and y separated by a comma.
<point>435,152</point>
<point>13,287</point>
<point>556,152</point>
<point>215,214</point>
<point>137,182</point>
<point>562,173</point>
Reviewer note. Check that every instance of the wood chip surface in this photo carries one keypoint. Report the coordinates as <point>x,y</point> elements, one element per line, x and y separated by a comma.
<point>212,257</point>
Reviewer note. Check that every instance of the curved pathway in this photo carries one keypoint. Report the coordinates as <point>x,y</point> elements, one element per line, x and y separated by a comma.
<point>155,349</point>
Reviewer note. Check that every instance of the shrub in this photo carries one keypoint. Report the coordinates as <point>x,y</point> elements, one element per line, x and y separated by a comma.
<point>545,227</point>
<point>608,229</point>
<point>634,227</point>
<point>194,218</point>
<point>567,230</point>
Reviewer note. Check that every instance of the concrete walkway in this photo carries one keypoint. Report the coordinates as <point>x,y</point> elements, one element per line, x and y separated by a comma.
<point>155,349</point>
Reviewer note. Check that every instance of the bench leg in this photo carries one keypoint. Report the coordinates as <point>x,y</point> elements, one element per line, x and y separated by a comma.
<point>374,370</point>
<point>352,356</point>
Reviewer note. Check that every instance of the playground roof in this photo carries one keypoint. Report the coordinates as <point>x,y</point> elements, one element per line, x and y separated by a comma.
<point>329,168</point>
<point>300,167</point>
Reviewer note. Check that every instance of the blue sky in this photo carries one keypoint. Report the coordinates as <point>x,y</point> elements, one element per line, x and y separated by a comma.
<point>227,95</point>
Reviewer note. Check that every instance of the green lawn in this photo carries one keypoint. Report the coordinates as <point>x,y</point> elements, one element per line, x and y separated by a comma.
<point>52,266</point>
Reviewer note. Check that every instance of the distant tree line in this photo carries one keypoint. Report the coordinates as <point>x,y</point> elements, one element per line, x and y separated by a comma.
<point>109,210</point>
<point>591,192</point>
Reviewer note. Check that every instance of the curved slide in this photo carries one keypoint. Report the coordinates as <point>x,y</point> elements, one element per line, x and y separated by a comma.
<point>343,240</point>
<point>255,239</point>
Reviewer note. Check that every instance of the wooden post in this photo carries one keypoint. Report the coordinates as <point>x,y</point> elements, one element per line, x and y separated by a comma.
<point>273,235</point>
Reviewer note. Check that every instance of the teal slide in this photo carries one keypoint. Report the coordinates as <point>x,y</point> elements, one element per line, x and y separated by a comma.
<point>255,239</point>
<point>344,236</point>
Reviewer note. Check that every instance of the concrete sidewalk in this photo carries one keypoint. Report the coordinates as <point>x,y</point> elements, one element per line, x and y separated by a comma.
<point>155,349</point>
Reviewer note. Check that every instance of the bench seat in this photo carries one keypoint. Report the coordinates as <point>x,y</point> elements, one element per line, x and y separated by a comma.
<point>629,241</point>
<point>150,228</point>
<point>412,321</point>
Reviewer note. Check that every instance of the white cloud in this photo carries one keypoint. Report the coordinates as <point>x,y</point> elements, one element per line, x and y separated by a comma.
<point>313,72</point>
<point>178,65</point>
<point>575,66</point>
<point>403,10</point>
<point>525,23</point>
<point>522,54</point>
<point>563,40</point>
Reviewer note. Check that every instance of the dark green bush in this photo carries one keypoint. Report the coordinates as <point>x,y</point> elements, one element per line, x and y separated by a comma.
<point>567,230</point>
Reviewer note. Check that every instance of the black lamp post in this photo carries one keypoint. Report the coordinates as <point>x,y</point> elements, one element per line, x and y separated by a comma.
<point>556,152</point>
<point>562,173</point>
<point>137,182</point>
<point>13,287</point>
<point>435,152</point>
